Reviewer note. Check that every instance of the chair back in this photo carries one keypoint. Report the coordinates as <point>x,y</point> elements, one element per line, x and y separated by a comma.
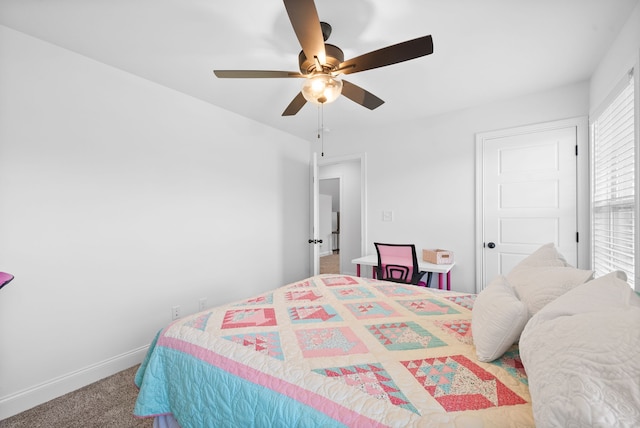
<point>5,278</point>
<point>397,263</point>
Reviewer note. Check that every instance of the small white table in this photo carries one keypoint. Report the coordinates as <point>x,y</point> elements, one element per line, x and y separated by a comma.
<point>441,270</point>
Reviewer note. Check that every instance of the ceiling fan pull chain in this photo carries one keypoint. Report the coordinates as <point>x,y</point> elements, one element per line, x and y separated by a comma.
<point>321,127</point>
<point>318,117</point>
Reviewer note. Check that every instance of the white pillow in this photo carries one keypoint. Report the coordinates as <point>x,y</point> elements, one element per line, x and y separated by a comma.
<point>613,292</point>
<point>497,319</point>
<point>547,255</point>
<point>538,286</point>
<point>581,357</point>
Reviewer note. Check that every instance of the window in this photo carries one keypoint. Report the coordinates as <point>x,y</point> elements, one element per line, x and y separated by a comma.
<point>613,196</point>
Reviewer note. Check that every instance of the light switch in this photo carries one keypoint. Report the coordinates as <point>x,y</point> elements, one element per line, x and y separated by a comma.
<point>387,215</point>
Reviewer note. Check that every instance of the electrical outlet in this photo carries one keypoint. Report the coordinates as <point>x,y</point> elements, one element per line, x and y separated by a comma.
<point>175,313</point>
<point>202,304</point>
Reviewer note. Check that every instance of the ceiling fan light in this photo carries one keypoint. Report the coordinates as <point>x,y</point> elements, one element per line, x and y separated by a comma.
<point>321,89</point>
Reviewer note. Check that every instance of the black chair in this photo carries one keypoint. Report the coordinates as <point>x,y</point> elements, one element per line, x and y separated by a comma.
<point>399,263</point>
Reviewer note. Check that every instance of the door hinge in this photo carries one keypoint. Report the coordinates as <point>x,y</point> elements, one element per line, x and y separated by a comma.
<point>577,237</point>
<point>576,150</point>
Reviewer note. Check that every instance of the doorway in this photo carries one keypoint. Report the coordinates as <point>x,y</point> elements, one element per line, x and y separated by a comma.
<point>329,212</point>
<point>530,182</point>
<point>350,173</point>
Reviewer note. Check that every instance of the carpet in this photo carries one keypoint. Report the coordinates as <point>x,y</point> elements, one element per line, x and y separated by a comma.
<point>330,263</point>
<point>106,403</point>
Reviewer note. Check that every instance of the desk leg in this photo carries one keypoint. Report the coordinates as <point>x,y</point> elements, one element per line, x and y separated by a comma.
<point>358,269</point>
<point>440,281</point>
<point>449,280</point>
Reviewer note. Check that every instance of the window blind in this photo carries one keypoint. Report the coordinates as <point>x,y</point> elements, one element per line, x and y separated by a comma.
<point>613,195</point>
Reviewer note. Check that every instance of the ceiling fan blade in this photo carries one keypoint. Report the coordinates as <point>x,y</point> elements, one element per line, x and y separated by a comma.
<point>393,54</point>
<point>251,74</point>
<point>360,96</point>
<point>306,24</point>
<point>295,105</point>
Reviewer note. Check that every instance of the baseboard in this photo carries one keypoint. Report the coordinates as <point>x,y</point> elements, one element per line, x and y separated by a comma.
<point>20,401</point>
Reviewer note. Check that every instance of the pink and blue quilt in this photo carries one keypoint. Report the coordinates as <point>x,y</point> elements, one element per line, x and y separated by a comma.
<point>332,350</point>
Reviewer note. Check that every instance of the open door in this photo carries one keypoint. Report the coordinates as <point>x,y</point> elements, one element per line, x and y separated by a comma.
<point>314,223</point>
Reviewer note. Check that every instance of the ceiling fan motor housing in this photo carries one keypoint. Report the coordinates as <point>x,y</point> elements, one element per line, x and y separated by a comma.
<point>334,55</point>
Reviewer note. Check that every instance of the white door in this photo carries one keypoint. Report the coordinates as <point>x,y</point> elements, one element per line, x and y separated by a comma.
<point>324,214</point>
<point>528,197</point>
<point>314,223</point>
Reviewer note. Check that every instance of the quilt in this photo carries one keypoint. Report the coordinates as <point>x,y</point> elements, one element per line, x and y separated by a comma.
<point>332,350</point>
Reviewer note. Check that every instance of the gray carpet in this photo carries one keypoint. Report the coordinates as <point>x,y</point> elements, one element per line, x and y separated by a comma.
<point>106,403</point>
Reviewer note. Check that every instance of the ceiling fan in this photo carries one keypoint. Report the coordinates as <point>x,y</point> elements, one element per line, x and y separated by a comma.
<point>321,63</point>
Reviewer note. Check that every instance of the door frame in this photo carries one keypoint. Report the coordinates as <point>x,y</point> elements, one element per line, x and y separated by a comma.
<point>581,124</point>
<point>362,159</point>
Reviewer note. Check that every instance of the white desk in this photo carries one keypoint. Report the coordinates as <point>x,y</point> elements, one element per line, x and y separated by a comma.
<point>441,270</point>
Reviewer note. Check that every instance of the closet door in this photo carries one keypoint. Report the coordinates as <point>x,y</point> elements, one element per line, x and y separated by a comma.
<point>527,195</point>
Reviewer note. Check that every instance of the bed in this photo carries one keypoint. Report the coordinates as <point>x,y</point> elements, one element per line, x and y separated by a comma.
<point>332,350</point>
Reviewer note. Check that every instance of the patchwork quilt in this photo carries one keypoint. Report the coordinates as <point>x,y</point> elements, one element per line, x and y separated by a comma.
<point>332,350</point>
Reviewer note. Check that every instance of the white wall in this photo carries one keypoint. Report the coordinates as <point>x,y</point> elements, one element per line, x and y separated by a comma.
<point>119,199</point>
<point>331,187</point>
<point>620,58</point>
<point>424,171</point>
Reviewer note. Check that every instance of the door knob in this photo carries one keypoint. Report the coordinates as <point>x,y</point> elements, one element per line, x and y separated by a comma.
<point>491,245</point>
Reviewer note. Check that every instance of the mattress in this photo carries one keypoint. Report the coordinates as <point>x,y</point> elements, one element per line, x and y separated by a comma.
<point>332,350</point>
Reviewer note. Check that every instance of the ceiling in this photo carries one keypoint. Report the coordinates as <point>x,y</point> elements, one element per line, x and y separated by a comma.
<point>484,50</point>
